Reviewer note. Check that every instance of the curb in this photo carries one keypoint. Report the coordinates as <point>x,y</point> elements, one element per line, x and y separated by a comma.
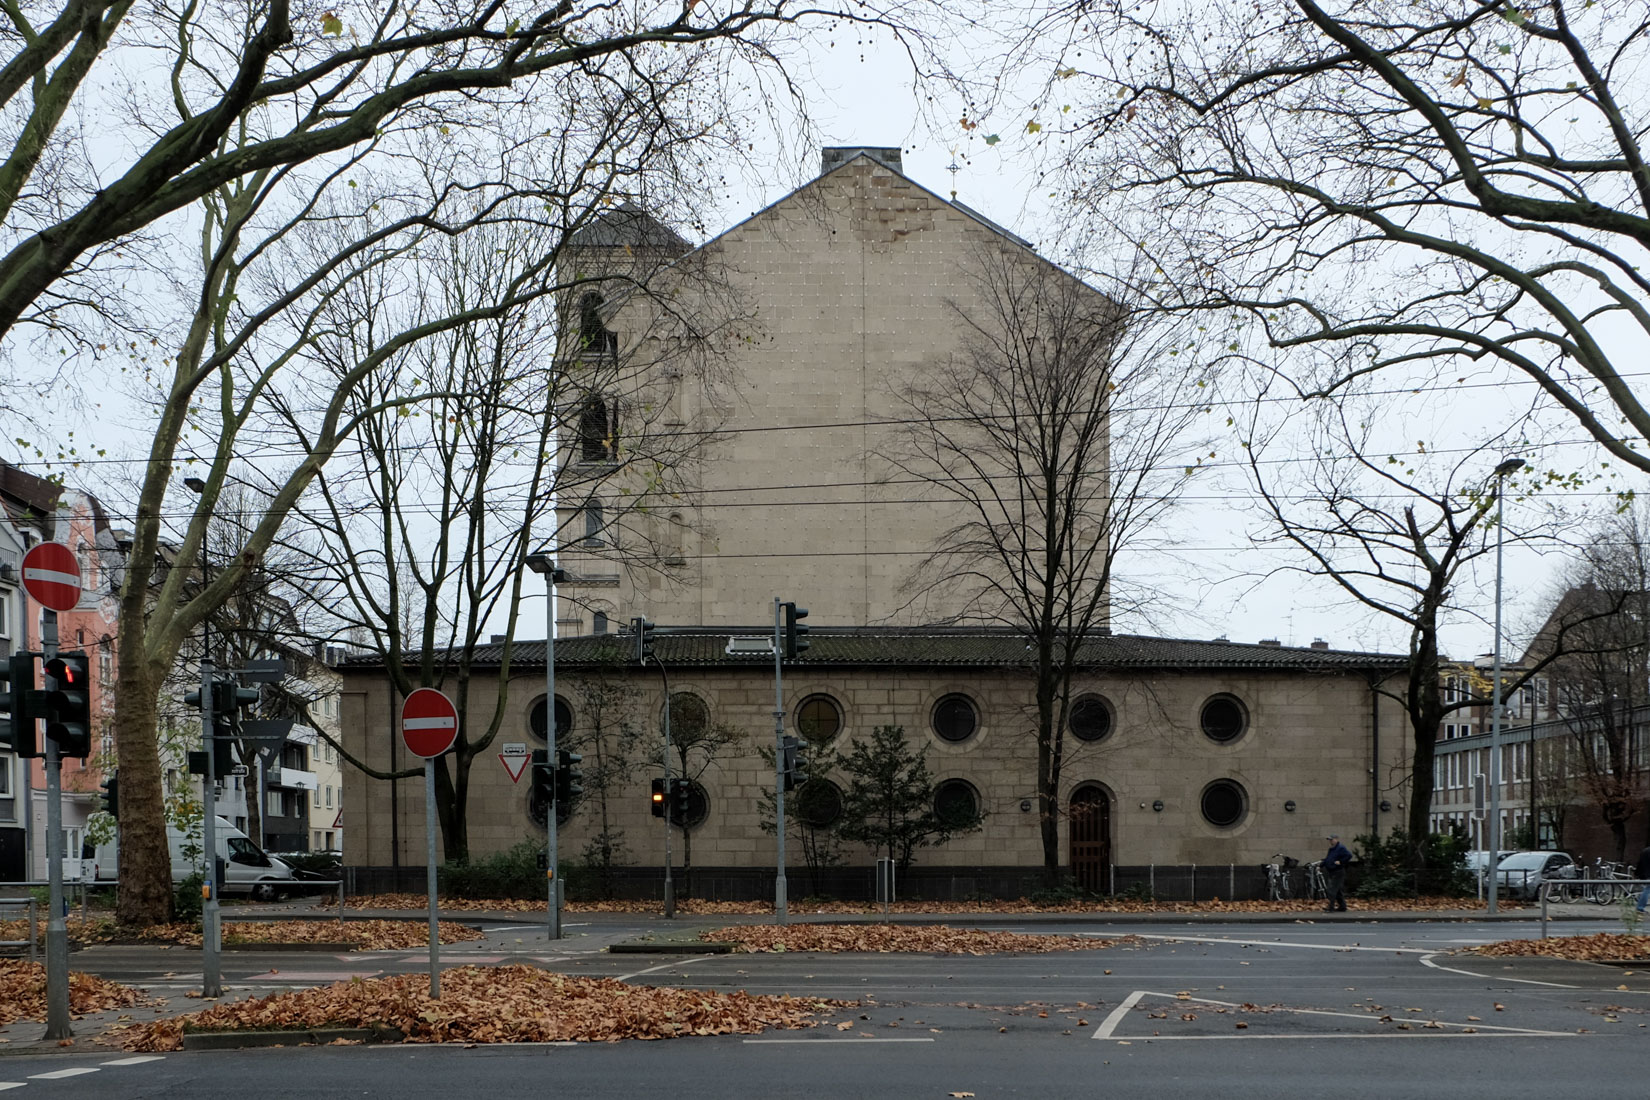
<point>672,947</point>
<point>241,1040</point>
<point>296,947</point>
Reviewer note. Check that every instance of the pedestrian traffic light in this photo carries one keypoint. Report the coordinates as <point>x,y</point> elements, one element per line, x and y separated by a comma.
<point>679,800</point>
<point>658,799</point>
<point>642,633</point>
<point>69,704</point>
<point>111,795</point>
<point>569,777</point>
<point>229,699</point>
<point>18,731</point>
<point>796,635</point>
<point>544,779</point>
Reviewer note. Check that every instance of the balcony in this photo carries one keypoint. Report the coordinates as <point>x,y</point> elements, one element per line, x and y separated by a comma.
<point>292,779</point>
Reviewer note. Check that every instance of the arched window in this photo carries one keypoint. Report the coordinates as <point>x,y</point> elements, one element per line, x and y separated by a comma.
<point>1224,803</point>
<point>818,719</point>
<point>598,431</point>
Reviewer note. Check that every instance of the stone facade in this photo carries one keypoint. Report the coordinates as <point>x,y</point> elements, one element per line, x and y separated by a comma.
<point>844,291</point>
<point>1317,752</point>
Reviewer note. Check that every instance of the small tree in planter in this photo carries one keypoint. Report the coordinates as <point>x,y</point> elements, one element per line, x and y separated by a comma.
<point>889,803</point>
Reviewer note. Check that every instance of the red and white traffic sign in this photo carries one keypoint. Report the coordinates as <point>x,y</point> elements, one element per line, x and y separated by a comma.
<point>429,723</point>
<point>514,756</point>
<point>51,574</point>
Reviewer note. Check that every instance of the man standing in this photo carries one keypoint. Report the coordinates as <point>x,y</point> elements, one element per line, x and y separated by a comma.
<point>1643,872</point>
<point>1334,874</point>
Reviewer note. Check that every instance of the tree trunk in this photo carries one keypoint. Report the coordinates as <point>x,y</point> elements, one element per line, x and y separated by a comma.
<point>254,798</point>
<point>145,868</point>
<point>1048,764</point>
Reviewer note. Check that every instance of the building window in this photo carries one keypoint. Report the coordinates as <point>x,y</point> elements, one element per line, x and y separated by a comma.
<point>955,718</point>
<point>1090,718</point>
<point>598,622</point>
<point>5,775</point>
<point>594,522</point>
<point>819,803</point>
<point>329,796</point>
<point>1224,803</point>
<point>957,804</point>
<point>317,795</point>
<point>819,719</point>
<point>689,716</point>
<point>564,718</point>
<point>1224,719</point>
<point>598,431</point>
<point>594,336</point>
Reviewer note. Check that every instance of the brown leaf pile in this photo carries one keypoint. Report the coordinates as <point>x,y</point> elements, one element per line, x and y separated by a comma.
<point>1602,947</point>
<point>695,906</point>
<point>512,1004</point>
<point>368,935</point>
<point>23,992</point>
<point>934,939</point>
<point>99,929</point>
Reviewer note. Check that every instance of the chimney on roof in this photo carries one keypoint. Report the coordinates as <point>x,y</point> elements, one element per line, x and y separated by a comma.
<point>498,639</point>
<point>1319,643</point>
<point>1270,641</point>
<point>835,156</point>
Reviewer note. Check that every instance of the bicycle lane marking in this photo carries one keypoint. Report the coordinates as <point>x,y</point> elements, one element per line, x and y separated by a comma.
<point>1427,961</point>
<point>1107,1028</point>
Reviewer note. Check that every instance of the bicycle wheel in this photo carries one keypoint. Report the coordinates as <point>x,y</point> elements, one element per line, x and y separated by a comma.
<point>1606,893</point>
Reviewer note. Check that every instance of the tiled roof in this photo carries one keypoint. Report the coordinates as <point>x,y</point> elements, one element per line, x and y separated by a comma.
<point>927,647</point>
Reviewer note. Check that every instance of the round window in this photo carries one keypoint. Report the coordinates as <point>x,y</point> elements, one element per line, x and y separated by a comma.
<point>957,804</point>
<point>819,803</point>
<point>819,718</point>
<point>689,717</point>
<point>1224,719</point>
<point>1090,718</point>
<point>1224,803</point>
<point>564,718</point>
<point>954,718</point>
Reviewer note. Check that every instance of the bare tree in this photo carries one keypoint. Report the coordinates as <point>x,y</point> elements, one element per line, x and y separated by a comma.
<point>696,746</point>
<point>1448,193</point>
<point>1057,431</point>
<point>1599,639</point>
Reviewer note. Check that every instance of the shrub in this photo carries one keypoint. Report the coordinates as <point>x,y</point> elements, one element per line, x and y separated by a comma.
<point>513,873</point>
<point>186,898</point>
<point>1389,869</point>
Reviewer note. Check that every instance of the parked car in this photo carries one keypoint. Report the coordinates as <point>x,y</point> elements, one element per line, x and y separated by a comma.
<point>247,868</point>
<point>1476,859</point>
<point>1521,874</point>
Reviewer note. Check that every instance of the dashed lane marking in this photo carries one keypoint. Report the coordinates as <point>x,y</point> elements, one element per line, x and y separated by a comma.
<point>59,1074</point>
<point>136,1060</point>
<point>825,1042</point>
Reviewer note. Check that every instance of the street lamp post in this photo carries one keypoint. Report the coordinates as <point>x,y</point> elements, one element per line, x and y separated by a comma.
<point>1493,857</point>
<point>543,565</point>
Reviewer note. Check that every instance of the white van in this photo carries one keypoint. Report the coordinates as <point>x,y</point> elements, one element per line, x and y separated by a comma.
<point>248,869</point>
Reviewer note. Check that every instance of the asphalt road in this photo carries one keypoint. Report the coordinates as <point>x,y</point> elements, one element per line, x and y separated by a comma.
<point>1227,1010</point>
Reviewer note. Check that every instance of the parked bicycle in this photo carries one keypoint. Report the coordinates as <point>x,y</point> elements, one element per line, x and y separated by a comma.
<point>1316,886</point>
<point>1277,877</point>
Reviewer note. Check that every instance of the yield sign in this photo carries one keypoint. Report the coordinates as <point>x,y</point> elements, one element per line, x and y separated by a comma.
<point>51,574</point>
<point>514,756</point>
<point>429,723</point>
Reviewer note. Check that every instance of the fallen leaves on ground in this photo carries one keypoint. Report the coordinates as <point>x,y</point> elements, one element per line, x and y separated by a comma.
<point>368,935</point>
<point>698,907</point>
<point>98,929</point>
<point>1601,947</point>
<point>512,1004</point>
<point>936,939</point>
<point>23,992</point>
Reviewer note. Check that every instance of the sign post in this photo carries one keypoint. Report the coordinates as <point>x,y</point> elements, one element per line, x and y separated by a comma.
<point>51,575</point>
<point>429,726</point>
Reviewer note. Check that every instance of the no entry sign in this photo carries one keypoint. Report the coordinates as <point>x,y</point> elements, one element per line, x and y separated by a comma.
<point>429,723</point>
<point>51,574</point>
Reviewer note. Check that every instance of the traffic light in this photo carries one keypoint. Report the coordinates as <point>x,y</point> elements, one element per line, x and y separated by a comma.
<point>544,779</point>
<point>229,699</point>
<point>224,700</point>
<point>658,800</point>
<point>793,766</point>
<point>796,635</point>
<point>569,777</point>
<point>679,799</point>
<point>17,722</point>
<point>69,704</point>
<point>111,795</point>
<point>642,632</point>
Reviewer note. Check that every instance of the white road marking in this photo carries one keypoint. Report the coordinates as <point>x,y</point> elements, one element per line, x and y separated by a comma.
<point>1288,943</point>
<point>59,1074</point>
<point>137,1061</point>
<point>665,966</point>
<point>1368,1035</point>
<point>4,1085</point>
<point>1106,1029</point>
<point>1117,1014</point>
<point>849,1040</point>
<point>1427,961</point>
